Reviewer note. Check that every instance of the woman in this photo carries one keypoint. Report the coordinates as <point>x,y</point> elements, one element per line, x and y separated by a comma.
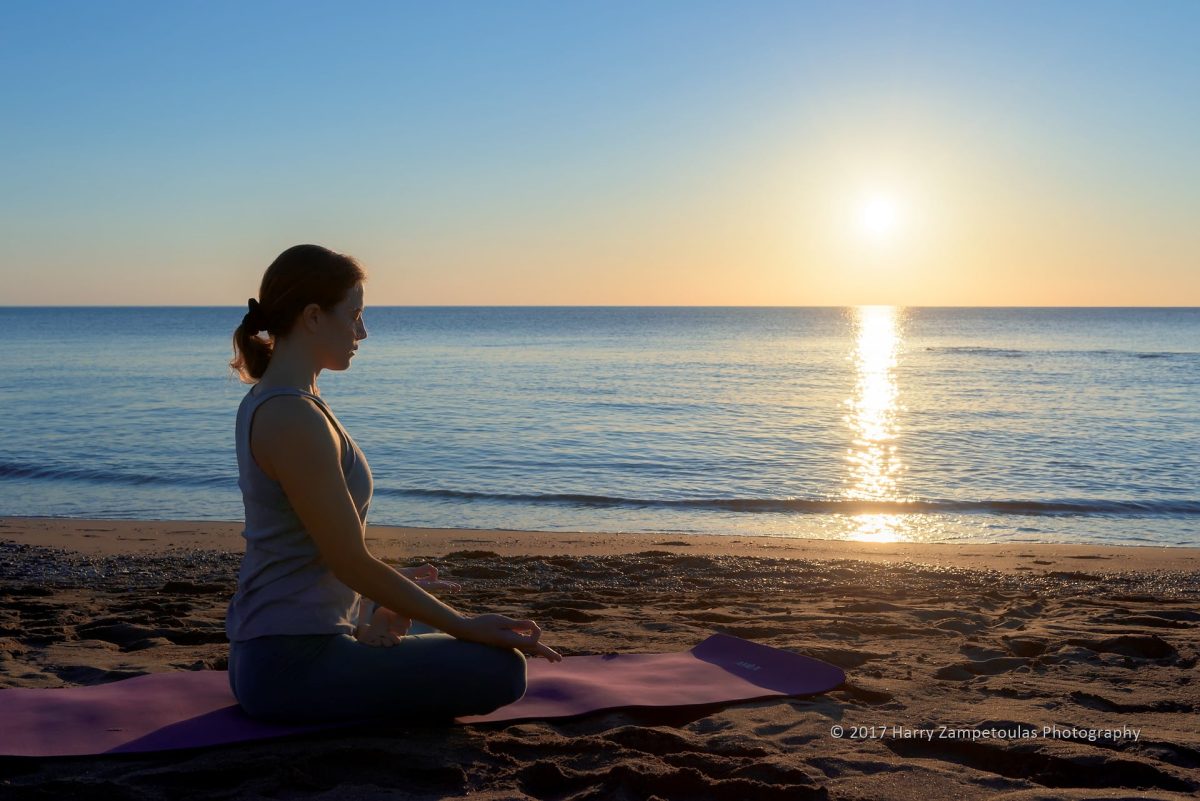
<point>306,487</point>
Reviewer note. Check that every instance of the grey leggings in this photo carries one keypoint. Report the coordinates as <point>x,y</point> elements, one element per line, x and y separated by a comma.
<point>320,677</point>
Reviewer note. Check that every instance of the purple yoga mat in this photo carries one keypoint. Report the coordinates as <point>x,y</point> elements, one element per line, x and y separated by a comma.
<point>190,709</point>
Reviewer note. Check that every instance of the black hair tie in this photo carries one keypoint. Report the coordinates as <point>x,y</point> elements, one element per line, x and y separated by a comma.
<point>253,322</point>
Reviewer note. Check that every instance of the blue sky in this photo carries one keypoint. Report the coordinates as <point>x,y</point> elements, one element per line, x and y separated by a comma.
<point>593,153</point>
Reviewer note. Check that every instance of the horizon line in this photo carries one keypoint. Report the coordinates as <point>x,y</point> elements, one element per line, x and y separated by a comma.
<point>604,306</point>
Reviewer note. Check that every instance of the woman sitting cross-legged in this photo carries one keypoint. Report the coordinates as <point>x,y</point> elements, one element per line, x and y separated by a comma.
<point>306,488</point>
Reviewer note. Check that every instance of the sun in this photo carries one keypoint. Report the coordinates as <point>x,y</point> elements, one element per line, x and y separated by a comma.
<point>879,216</point>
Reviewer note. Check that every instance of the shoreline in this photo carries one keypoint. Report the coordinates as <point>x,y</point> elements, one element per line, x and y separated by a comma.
<point>107,537</point>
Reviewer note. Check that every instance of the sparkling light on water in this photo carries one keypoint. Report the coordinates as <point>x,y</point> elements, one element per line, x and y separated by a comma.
<point>873,459</point>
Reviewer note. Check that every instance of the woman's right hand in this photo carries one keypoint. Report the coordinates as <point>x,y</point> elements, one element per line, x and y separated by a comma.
<point>508,632</point>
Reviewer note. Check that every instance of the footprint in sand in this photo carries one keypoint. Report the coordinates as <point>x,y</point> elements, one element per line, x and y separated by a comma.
<point>845,658</point>
<point>1127,618</point>
<point>1102,704</point>
<point>862,695</point>
<point>959,626</point>
<point>1138,646</point>
<point>983,667</point>
<point>1024,611</point>
<point>1025,646</point>
<point>125,635</point>
<point>979,653</point>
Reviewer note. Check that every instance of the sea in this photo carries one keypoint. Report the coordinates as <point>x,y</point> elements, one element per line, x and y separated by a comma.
<point>872,423</point>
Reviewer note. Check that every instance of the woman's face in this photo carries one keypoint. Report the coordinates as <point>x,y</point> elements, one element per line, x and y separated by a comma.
<point>344,330</point>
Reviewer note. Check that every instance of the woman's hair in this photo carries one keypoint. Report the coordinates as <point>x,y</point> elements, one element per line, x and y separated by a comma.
<point>301,275</point>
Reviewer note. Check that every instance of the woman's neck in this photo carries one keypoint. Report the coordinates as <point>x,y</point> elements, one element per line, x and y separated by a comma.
<point>288,368</point>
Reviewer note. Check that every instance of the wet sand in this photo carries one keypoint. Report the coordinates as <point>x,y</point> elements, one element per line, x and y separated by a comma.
<point>1067,642</point>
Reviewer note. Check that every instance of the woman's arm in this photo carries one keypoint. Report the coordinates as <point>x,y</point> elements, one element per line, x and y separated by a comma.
<point>303,449</point>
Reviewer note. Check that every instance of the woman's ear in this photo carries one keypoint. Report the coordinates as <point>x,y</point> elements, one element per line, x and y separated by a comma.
<point>310,316</point>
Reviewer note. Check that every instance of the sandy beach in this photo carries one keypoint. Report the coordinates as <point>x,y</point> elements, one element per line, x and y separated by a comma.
<point>1091,648</point>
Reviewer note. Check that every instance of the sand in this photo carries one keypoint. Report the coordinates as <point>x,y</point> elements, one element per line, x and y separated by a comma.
<point>954,654</point>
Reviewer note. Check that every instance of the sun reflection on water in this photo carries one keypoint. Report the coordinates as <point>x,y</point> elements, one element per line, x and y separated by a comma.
<point>874,463</point>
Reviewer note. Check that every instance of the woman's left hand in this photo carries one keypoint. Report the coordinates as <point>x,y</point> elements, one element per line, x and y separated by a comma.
<point>385,629</point>
<point>426,577</point>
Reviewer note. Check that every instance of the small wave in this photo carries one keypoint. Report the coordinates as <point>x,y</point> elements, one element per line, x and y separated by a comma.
<point>108,475</point>
<point>1020,353</point>
<point>842,506</point>
<point>981,351</point>
<point>834,506</point>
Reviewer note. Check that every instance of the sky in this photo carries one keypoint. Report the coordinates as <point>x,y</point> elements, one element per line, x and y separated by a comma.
<point>620,153</point>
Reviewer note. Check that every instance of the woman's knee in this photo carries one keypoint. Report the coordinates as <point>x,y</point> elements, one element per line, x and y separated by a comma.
<point>510,678</point>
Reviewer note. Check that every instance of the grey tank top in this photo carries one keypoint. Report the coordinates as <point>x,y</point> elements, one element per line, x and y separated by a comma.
<point>284,586</point>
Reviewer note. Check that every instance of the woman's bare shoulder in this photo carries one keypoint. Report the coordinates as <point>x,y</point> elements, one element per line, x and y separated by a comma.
<point>290,420</point>
<point>287,407</point>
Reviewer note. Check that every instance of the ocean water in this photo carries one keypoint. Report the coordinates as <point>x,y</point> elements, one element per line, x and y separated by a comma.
<point>872,423</point>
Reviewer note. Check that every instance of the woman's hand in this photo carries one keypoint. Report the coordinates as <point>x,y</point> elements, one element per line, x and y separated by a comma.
<point>506,631</point>
<point>426,577</point>
<point>384,629</point>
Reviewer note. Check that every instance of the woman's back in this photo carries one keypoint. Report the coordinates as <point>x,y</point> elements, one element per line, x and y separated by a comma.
<point>284,587</point>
